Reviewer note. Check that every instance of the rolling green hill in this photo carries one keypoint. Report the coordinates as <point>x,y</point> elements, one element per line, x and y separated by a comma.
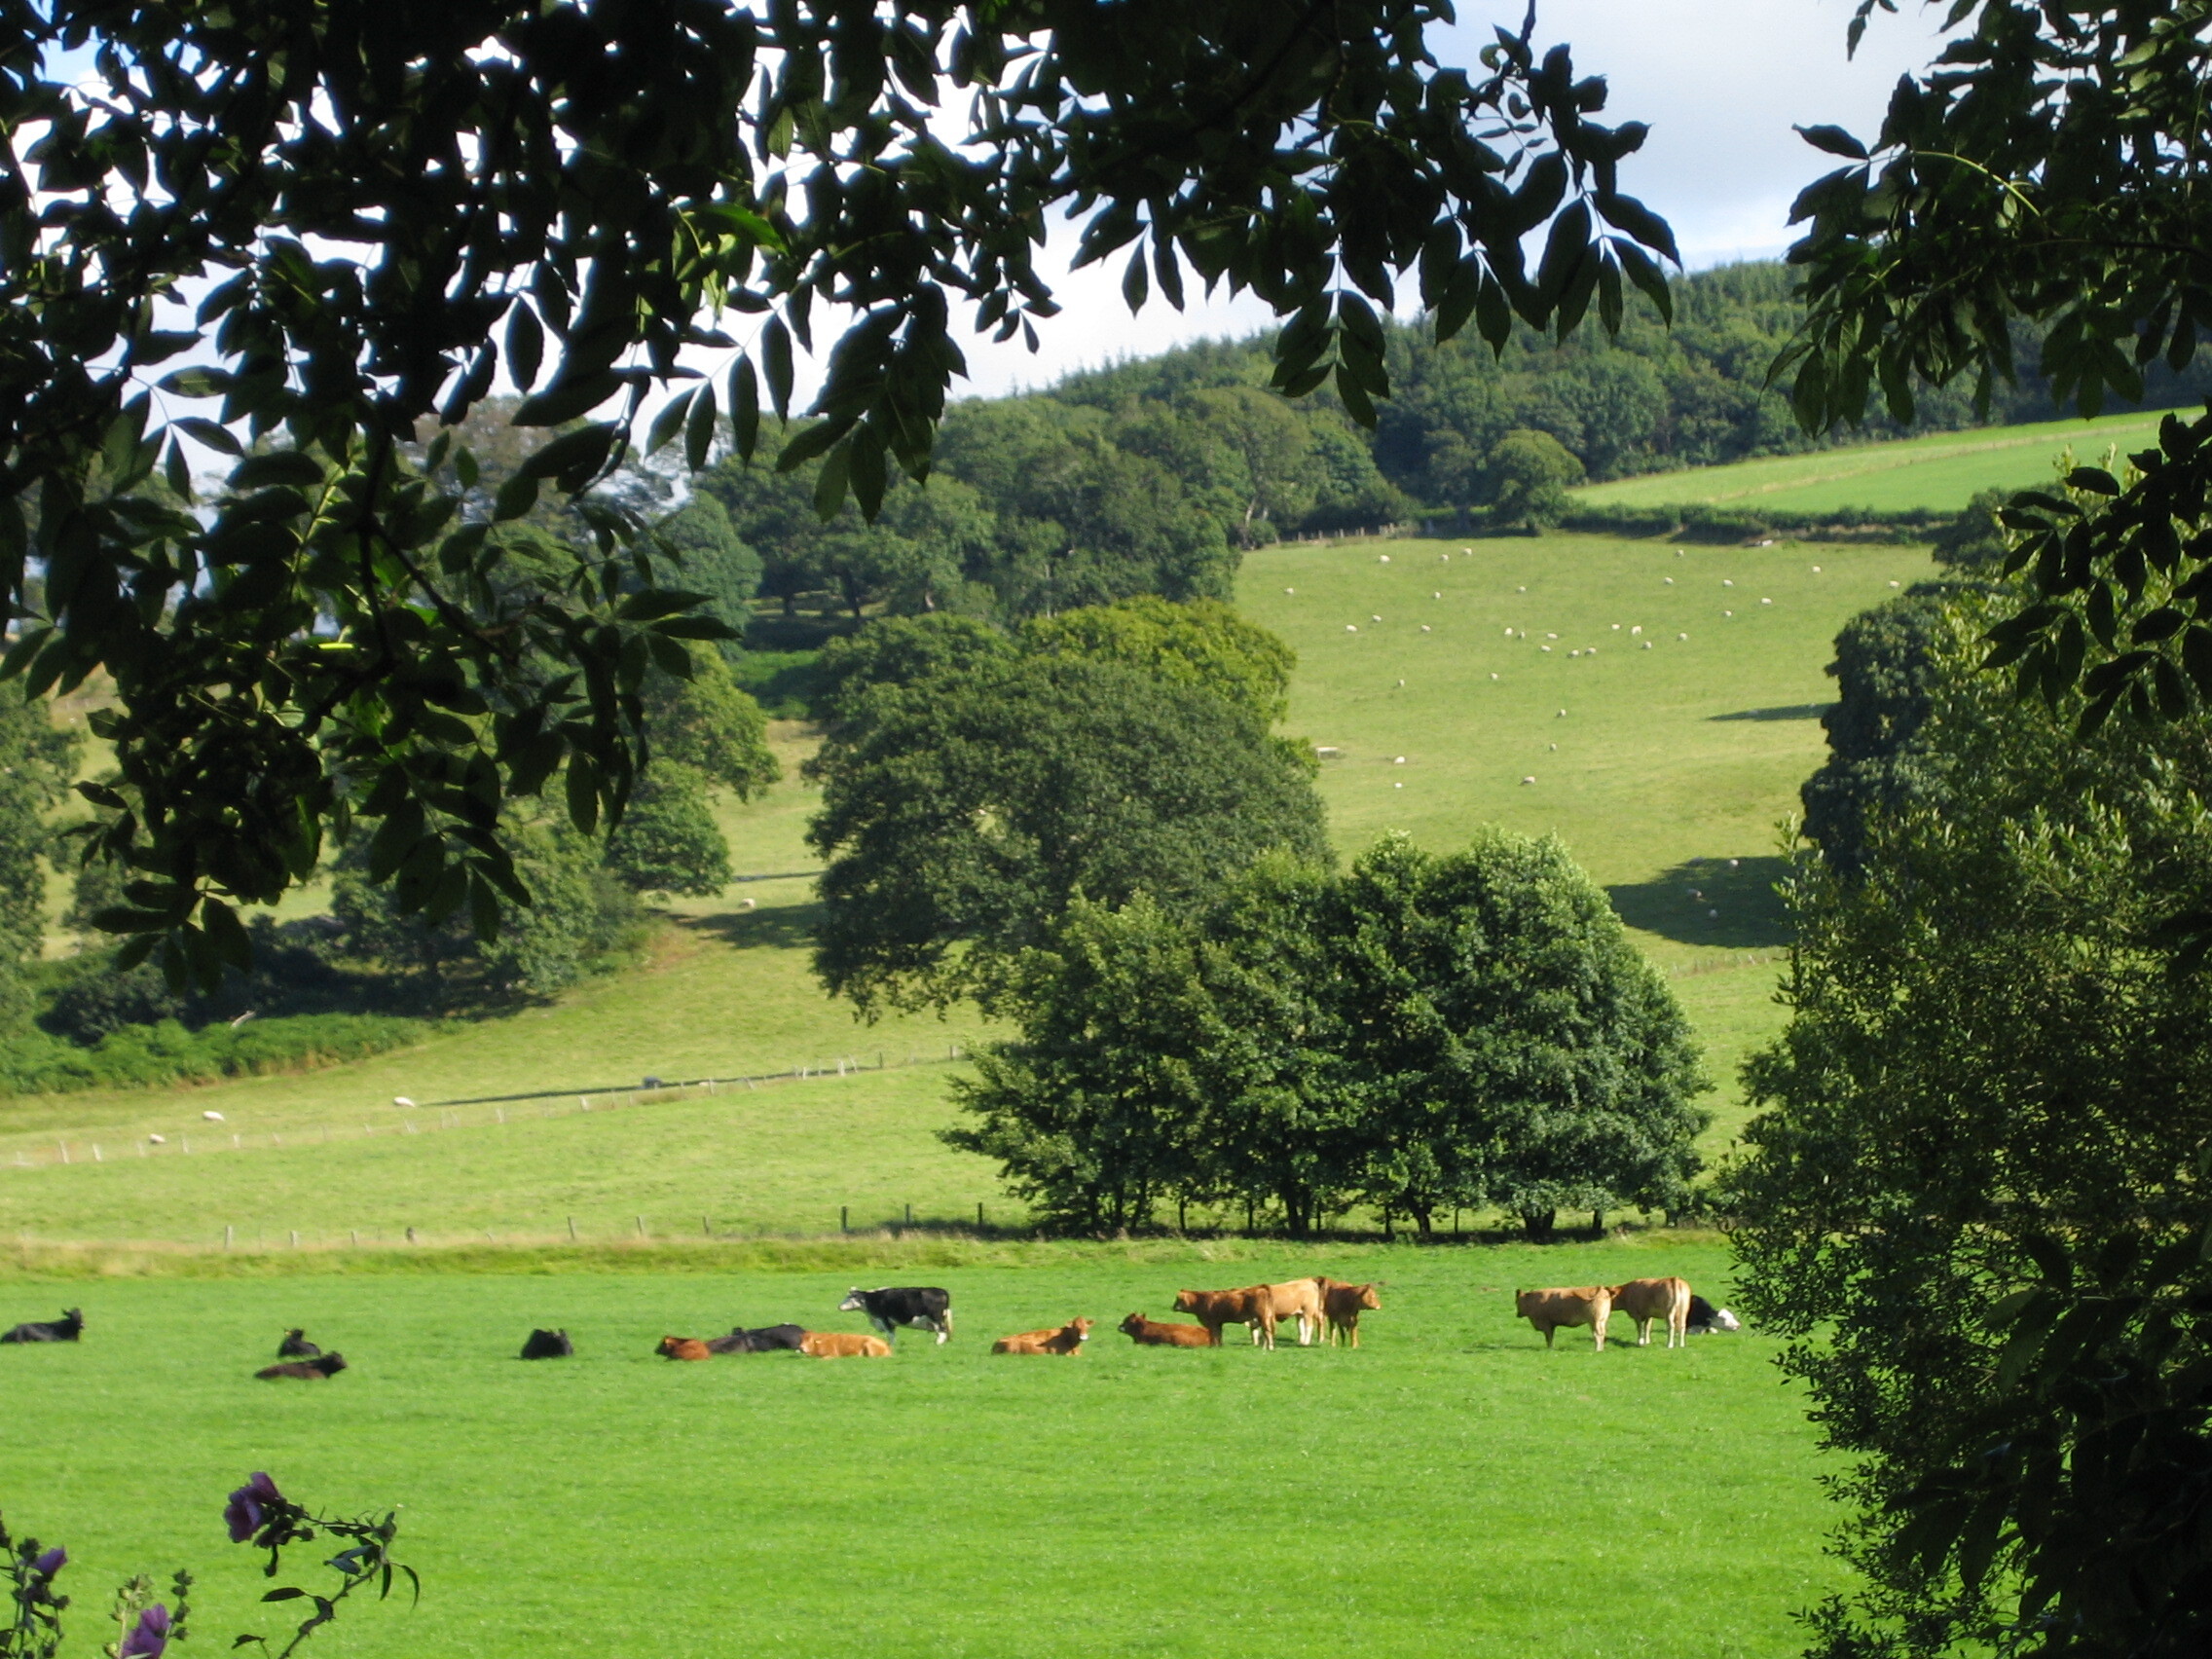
<point>1666,775</point>
<point>1940,471</point>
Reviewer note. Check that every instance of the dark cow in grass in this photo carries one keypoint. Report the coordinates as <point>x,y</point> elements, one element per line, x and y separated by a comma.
<point>925,1307</point>
<point>1705,1318</point>
<point>296,1345</point>
<point>69,1328</point>
<point>766,1338</point>
<point>319,1369</point>
<point>548,1345</point>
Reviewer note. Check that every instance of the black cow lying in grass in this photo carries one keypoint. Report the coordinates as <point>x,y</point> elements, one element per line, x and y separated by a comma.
<point>69,1328</point>
<point>1705,1318</point>
<point>321,1368</point>
<point>926,1308</point>
<point>548,1345</point>
<point>768,1339</point>
<point>296,1345</point>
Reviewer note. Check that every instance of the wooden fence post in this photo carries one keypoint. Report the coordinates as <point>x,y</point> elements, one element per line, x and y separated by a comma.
<point>572,1230</point>
<point>844,1218</point>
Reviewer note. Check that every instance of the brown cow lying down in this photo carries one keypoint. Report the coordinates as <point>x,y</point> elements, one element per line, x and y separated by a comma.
<point>1549,1309</point>
<point>1148,1333</point>
<point>1067,1339</point>
<point>1252,1305</point>
<point>844,1345</point>
<point>1342,1306</point>
<point>316,1370</point>
<point>682,1347</point>
<point>1647,1299</point>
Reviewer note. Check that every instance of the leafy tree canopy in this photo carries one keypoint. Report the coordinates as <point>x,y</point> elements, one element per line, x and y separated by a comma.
<point>1204,644</point>
<point>1973,1204</point>
<point>345,218</point>
<point>966,812</point>
<point>2051,166</point>
<point>1419,1033</point>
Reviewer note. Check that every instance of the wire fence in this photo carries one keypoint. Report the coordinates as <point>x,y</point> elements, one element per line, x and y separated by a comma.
<point>432,1117</point>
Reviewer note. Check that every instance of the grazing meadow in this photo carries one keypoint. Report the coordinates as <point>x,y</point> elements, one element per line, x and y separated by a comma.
<point>1450,1486</point>
<point>1940,471</point>
<point>1665,770</point>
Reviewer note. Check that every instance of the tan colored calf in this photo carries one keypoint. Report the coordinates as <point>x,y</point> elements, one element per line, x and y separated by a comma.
<point>1647,1299</point>
<point>1294,1298</point>
<point>843,1345</point>
<point>1589,1305</point>
<point>1065,1340</point>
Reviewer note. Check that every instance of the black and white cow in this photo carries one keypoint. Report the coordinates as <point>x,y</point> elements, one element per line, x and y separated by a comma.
<point>766,1338</point>
<point>923,1307</point>
<point>548,1345</point>
<point>69,1328</point>
<point>1705,1318</point>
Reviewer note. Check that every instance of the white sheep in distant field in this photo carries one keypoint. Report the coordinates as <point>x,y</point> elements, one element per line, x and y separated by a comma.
<point>1530,779</point>
<point>401,1100</point>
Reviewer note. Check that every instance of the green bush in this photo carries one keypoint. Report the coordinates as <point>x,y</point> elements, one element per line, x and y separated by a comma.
<point>144,1055</point>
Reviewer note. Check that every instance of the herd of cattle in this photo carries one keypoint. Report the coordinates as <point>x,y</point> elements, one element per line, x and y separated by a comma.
<point>1326,1310</point>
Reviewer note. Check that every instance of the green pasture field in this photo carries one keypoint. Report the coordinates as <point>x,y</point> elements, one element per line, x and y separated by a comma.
<point>1669,763</point>
<point>1943,470</point>
<point>1450,1487</point>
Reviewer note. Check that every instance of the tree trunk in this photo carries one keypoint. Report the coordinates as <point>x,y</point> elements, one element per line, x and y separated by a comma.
<point>1421,1220</point>
<point>1597,1223</point>
<point>1538,1225</point>
<point>1390,1235</point>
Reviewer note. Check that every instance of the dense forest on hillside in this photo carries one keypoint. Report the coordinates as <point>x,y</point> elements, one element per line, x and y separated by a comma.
<point>1149,476</point>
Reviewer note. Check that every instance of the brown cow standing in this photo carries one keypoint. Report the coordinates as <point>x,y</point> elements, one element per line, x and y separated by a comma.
<point>844,1345</point>
<point>1148,1333</point>
<point>1252,1305</point>
<point>684,1347</point>
<point>1647,1299</point>
<point>1065,1340</point>
<point>1549,1309</point>
<point>1342,1306</point>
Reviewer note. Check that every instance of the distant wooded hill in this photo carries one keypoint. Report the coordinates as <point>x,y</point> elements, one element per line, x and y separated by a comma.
<point>1151,476</point>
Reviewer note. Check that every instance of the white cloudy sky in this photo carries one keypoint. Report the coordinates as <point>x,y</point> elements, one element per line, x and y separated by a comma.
<point>1720,83</point>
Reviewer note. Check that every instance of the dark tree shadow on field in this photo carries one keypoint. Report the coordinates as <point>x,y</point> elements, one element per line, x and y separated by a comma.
<point>1680,905</point>
<point>1783,711</point>
<point>781,927</point>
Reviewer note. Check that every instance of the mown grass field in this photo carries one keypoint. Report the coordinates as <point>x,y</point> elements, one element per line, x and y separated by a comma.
<point>1450,1487</point>
<point>1940,471</point>
<point>1669,764</point>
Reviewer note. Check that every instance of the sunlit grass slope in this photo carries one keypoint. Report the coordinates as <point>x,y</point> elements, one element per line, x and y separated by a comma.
<point>1451,1487</point>
<point>1940,471</point>
<point>1669,763</point>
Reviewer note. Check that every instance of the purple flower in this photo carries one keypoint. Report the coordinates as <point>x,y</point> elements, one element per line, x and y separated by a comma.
<point>148,1637</point>
<point>51,1563</point>
<point>248,1507</point>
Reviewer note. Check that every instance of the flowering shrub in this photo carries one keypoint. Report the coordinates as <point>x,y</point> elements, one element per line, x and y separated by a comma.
<point>257,1513</point>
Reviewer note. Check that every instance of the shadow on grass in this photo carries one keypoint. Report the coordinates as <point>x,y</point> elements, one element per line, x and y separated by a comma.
<point>782,926</point>
<point>1729,902</point>
<point>1783,711</point>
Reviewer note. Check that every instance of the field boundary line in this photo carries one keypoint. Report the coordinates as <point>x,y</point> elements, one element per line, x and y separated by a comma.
<point>71,1149</point>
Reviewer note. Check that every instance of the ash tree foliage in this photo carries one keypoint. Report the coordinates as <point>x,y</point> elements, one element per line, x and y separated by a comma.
<point>1419,1034</point>
<point>1974,1202</point>
<point>2051,166</point>
<point>348,218</point>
